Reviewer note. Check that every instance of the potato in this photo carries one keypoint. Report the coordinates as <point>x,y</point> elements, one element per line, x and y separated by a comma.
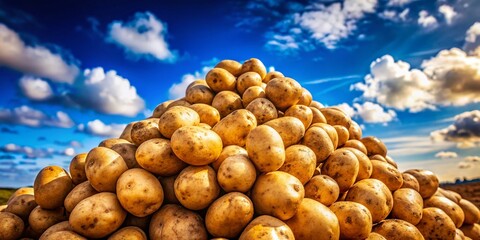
<point>436,224</point>
<point>51,186</point>
<point>314,221</point>
<point>236,173</point>
<point>103,167</point>
<point>234,128</point>
<point>318,140</point>
<point>21,206</point>
<point>455,197</point>
<point>330,130</point>
<point>139,192</point>
<point>65,235</point>
<point>323,189</point>
<point>472,214</point>
<point>265,228</point>
<point>306,98</point>
<point>365,167</point>
<point>156,156</point>
<point>20,191</point>
<point>158,111</point>
<point>317,105</point>
<point>254,65</point>
<point>196,146</point>
<point>196,187</point>
<point>387,174</point>
<point>231,66</point>
<point>459,234</point>
<point>391,161</point>
<point>265,148</point>
<point>3,207</point>
<point>11,226</point>
<point>207,113</point>
<point>234,210</point>
<point>342,165</point>
<point>407,205</point>
<point>252,93</point>
<point>61,226</point>
<point>375,236</point>
<point>219,79</point>
<point>355,219</point>
<point>291,129</point>
<point>175,118</point>
<point>145,130</point>
<point>226,102</point>
<point>454,211</point>
<point>272,75</point>
<point>246,80</point>
<point>303,113</point>
<point>374,195</point>
<point>199,94</point>
<point>127,130</point>
<point>97,216</point>
<point>278,194</point>
<point>180,102</point>
<point>397,229</point>
<point>336,116</point>
<point>228,151</point>
<point>128,233</point>
<point>284,92</point>
<point>127,151</point>
<point>168,189</point>
<point>354,131</point>
<point>353,143</point>
<point>263,109</point>
<point>378,157</point>
<point>471,230</point>
<point>317,116</point>
<point>427,181</point>
<point>300,161</point>
<point>78,193</point>
<point>175,222</point>
<point>374,146</point>
<point>410,181</point>
<point>77,168</point>
<point>342,133</point>
<point>110,142</point>
<point>41,219</point>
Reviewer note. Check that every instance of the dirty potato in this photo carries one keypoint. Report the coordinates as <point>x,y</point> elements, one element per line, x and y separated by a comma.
<point>196,146</point>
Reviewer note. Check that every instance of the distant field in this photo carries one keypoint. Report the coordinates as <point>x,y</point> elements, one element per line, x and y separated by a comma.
<point>469,191</point>
<point>5,194</point>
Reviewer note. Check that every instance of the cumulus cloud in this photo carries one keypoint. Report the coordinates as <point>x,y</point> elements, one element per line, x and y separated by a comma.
<point>472,38</point>
<point>374,113</point>
<point>282,43</point>
<point>34,153</point>
<point>28,116</point>
<point>177,90</point>
<point>463,165</point>
<point>143,36</point>
<point>394,15</point>
<point>35,60</point>
<point>35,88</point>
<point>472,159</point>
<point>448,13</point>
<point>444,154</point>
<point>346,108</point>
<point>426,20</point>
<point>73,143</point>
<point>99,128</point>
<point>465,131</point>
<point>398,3</point>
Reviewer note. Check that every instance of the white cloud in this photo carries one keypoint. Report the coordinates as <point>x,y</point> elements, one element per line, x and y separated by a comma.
<point>282,43</point>
<point>34,60</point>
<point>143,36</point>
<point>34,153</point>
<point>410,145</point>
<point>346,108</point>
<point>426,20</point>
<point>465,130</point>
<point>394,15</point>
<point>35,88</point>
<point>69,152</point>
<point>98,128</point>
<point>28,116</point>
<point>107,92</point>
<point>177,90</point>
<point>472,38</point>
<point>374,113</point>
<point>448,13</point>
<point>398,3</point>
<point>444,154</point>
<point>475,159</point>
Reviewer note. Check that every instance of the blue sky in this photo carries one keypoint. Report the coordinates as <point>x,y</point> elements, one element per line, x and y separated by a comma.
<point>72,74</point>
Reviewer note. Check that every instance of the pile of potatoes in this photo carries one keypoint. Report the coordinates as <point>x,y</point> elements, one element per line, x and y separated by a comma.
<point>245,154</point>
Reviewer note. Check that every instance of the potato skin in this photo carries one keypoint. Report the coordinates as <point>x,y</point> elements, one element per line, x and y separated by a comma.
<point>374,195</point>
<point>51,186</point>
<point>128,233</point>
<point>336,116</point>
<point>175,118</point>
<point>375,236</point>
<point>196,146</point>
<point>199,94</point>
<point>22,206</point>
<point>265,148</point>
<point>342,165</point>
<point>271,75</point>
<point>236,173</point>
<point>471,230</point>
<point>226,102</point>
<point>387,174</point>
<point>354,143</point>
<point>65,235</point>
<point>355,131</point>
<point>77,168</point>
<point>278,194</point>
<point>436,224</point>
<point>145,130</point>
<point>303,113</point>
<point>41,219</point>
<point>127,151</point>
<point>196,187</point>
<point>156,156</point>
<point>396,229</point>
<point>407,205</point>
<point>330,130</point>
<point>231,66</point>
<point>472,214</point>
<point>427,181</point>
<point>263,109</point>
<point>175,222</point>
<point>128,129</point>
<point>61,226</point>
<point>157,112</point>
<point>139,192</point>
<point>110,142</point>
<point>265,228</point>
<point>228,151</point>
<point>323,189</point>
<point>314,220</point>
<point>284,92</point>
<point>234,128</point>
<point>97,216</point>
<point>318,140</point>
<point>354,219</point>
<point>207,113</point>
<point>365,167</point>
<point>219,79</point>
<point>300,161</point>
<point>454,211</point>
<point>291,129</point>
<point>21,191</point>
<point>410,181</point>
<point>103,167</point>
<point>234,210</point>
<point>374,146</point>
<point>246,80</point>
<point>317,116</point>
<point>306,98</point>
<point>254,65</point>
<point>11,226</point>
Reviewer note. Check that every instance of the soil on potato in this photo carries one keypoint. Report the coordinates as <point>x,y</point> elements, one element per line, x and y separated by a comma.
<point>469,191</point>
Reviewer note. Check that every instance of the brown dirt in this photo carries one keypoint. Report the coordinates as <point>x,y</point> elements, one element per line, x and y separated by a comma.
<point>469,191</point>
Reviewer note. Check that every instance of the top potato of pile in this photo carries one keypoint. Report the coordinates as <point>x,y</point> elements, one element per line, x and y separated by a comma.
<point>246,154</point>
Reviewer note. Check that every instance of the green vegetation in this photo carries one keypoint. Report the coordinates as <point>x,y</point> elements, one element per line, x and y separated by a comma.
<point>5,195</point>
